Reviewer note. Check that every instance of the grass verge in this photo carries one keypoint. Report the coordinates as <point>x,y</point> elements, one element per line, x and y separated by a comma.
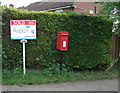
<point>15,77</point>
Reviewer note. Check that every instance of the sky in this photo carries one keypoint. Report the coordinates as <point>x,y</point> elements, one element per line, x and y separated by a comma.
<point>18,3</point>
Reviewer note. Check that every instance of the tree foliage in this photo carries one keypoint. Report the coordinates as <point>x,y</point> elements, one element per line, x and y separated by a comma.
<point>112,10</point>
<point>107,7</point>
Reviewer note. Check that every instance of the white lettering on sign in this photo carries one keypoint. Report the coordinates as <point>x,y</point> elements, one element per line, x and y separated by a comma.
<point>64,43</point>
<point>18,22</point>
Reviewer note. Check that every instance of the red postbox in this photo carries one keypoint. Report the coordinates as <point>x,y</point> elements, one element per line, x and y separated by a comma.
<point>62,41</point>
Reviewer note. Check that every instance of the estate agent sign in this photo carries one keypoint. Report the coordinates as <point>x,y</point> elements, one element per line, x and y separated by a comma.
<point>23,29</point>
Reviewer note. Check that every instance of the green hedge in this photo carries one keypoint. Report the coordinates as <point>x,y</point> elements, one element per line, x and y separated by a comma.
<point>89,40</point>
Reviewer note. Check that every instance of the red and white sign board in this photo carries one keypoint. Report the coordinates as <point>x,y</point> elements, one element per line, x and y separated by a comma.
<point>23,29</point>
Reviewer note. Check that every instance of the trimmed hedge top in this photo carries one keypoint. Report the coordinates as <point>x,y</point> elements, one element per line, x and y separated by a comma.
<point>89,40</point>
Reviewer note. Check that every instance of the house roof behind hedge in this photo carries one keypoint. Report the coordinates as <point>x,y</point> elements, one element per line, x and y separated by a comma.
<point>40,6</point>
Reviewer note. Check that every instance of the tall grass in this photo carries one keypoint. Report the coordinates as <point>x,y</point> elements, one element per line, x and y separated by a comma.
<point>16,77</point>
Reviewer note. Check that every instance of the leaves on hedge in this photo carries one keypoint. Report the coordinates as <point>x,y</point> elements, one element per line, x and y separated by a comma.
<point>89,40</point>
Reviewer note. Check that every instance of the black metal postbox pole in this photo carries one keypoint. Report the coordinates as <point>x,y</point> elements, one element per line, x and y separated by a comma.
<point>61,60</point>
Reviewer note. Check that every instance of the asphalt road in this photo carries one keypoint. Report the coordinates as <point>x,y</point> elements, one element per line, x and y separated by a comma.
<point>98,85</point>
